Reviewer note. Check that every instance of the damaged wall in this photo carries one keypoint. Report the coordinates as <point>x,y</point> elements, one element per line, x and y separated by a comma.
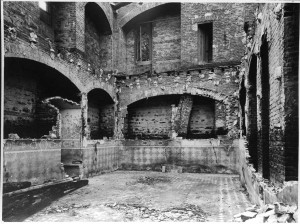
<point>195,156</point>
<point>36,161</point>
<point>218,83</point>
<point>277,76</point>
<point>100,157</point>
<point>227,23</point>
<point>97,44</point>
<point>25,114</point>
<point>165,48</point>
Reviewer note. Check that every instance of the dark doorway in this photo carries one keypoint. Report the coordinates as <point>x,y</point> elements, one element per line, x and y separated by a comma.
<point>265,107</point>
<point>252,112</point>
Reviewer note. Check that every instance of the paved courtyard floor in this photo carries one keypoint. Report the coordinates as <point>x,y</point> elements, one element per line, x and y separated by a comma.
<point>150,196</point>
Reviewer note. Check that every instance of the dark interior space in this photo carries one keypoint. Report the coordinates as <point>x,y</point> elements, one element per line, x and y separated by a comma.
<point>202,119</point>
<point>265,107</point>
<point>27,84</point>
<point>100,114</point>
<point>252,112</point>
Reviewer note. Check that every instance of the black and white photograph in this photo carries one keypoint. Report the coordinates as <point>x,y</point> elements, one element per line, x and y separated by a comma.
<point>149,111</point>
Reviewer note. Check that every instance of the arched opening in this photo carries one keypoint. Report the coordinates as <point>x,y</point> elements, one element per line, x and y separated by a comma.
<point>252,112</point>
<point>26,85</point>
<point>100,114</point>
<point>265,108</point>
<point>174,116</point>
<point>98,44</point>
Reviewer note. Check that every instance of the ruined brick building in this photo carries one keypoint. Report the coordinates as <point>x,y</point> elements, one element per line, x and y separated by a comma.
<point>204,88</point>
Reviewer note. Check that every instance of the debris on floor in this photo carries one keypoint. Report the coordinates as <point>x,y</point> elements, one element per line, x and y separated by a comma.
<point>153,180</point>
<point>65,208</point>
<point>186,212</point>
<point>276,213</point>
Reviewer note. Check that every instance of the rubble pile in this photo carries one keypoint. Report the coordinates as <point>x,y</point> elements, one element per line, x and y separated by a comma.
<point>269,213</point>
<point>188,213</point>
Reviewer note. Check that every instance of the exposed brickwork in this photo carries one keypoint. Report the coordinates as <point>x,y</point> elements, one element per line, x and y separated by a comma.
<point>202,119</point>
<point>78,51</point>
<point>276,48</point>
<point>291,83</point>
<point>227,20</point>
<point>65,24</point>
<point>107,121</point>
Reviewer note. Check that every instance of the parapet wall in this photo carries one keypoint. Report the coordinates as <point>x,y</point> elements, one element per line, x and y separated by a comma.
<point>195,156</point>
<point>33,160</point>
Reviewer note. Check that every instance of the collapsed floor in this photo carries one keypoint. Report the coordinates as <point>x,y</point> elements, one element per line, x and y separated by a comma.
<point>150,196</point>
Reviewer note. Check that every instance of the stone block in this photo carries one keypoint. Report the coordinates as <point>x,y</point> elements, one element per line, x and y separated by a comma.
<point>248,215</point>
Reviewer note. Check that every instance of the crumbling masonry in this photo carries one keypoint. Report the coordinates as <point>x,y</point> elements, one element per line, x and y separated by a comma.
<point>209,88</point>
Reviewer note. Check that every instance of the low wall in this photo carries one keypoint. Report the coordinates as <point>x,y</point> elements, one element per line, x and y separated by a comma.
<point>33,160</point>
<point>259,189</point>
<point>196,156</point>
<point>100,156</point>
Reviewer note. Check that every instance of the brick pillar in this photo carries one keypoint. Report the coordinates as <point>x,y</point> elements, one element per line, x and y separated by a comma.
<point>173,133</point>
<point>84,116</point>
<point>183,115</point>
<point>121,124</point>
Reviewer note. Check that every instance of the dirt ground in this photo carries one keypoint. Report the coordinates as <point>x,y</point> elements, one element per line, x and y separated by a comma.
<point>150,196</point>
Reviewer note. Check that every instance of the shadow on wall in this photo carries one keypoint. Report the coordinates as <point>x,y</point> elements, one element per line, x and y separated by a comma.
<point>27,84</point>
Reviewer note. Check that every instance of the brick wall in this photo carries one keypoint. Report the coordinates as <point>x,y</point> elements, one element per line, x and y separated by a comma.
<point>107,121</point>
<point>93,121</point>
<point>166,44</point>
<point>228,21</point>
<point>150,118</point>
<point>65,24</point>
<point>291,83</point>
<point>97,45</point>
<point>24,112</point>
<point>25,18</point>
<point>202,119</point>
<point>165,47</point>
<point>276,40</point>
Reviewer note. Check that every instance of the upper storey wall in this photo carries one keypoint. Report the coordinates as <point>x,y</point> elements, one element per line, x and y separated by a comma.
<point>227,31</point>
<point>175,39</point>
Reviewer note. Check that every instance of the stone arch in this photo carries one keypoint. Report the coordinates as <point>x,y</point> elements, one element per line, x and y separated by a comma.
<point>106,9</point>
<point>100,85</point>
<point>69,70</point>
<point>28,84</point>
<point>64,68</point>
<point>170,91</point>
<point>137,10</point>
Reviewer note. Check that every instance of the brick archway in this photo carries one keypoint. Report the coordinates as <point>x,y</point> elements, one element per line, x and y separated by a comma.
<point>77,77</point>
<point>106,8</point>
<point>170,91</point>
<point>134,11</point>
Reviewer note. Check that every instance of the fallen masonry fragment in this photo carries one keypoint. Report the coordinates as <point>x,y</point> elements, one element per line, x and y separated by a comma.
<point>277,213</point>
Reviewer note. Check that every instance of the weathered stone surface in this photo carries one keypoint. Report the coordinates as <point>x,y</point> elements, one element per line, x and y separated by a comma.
<point>248,215</point>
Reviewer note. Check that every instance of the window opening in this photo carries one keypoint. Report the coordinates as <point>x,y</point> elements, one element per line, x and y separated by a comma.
<point>144,37</point>
<point>205,39</point>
